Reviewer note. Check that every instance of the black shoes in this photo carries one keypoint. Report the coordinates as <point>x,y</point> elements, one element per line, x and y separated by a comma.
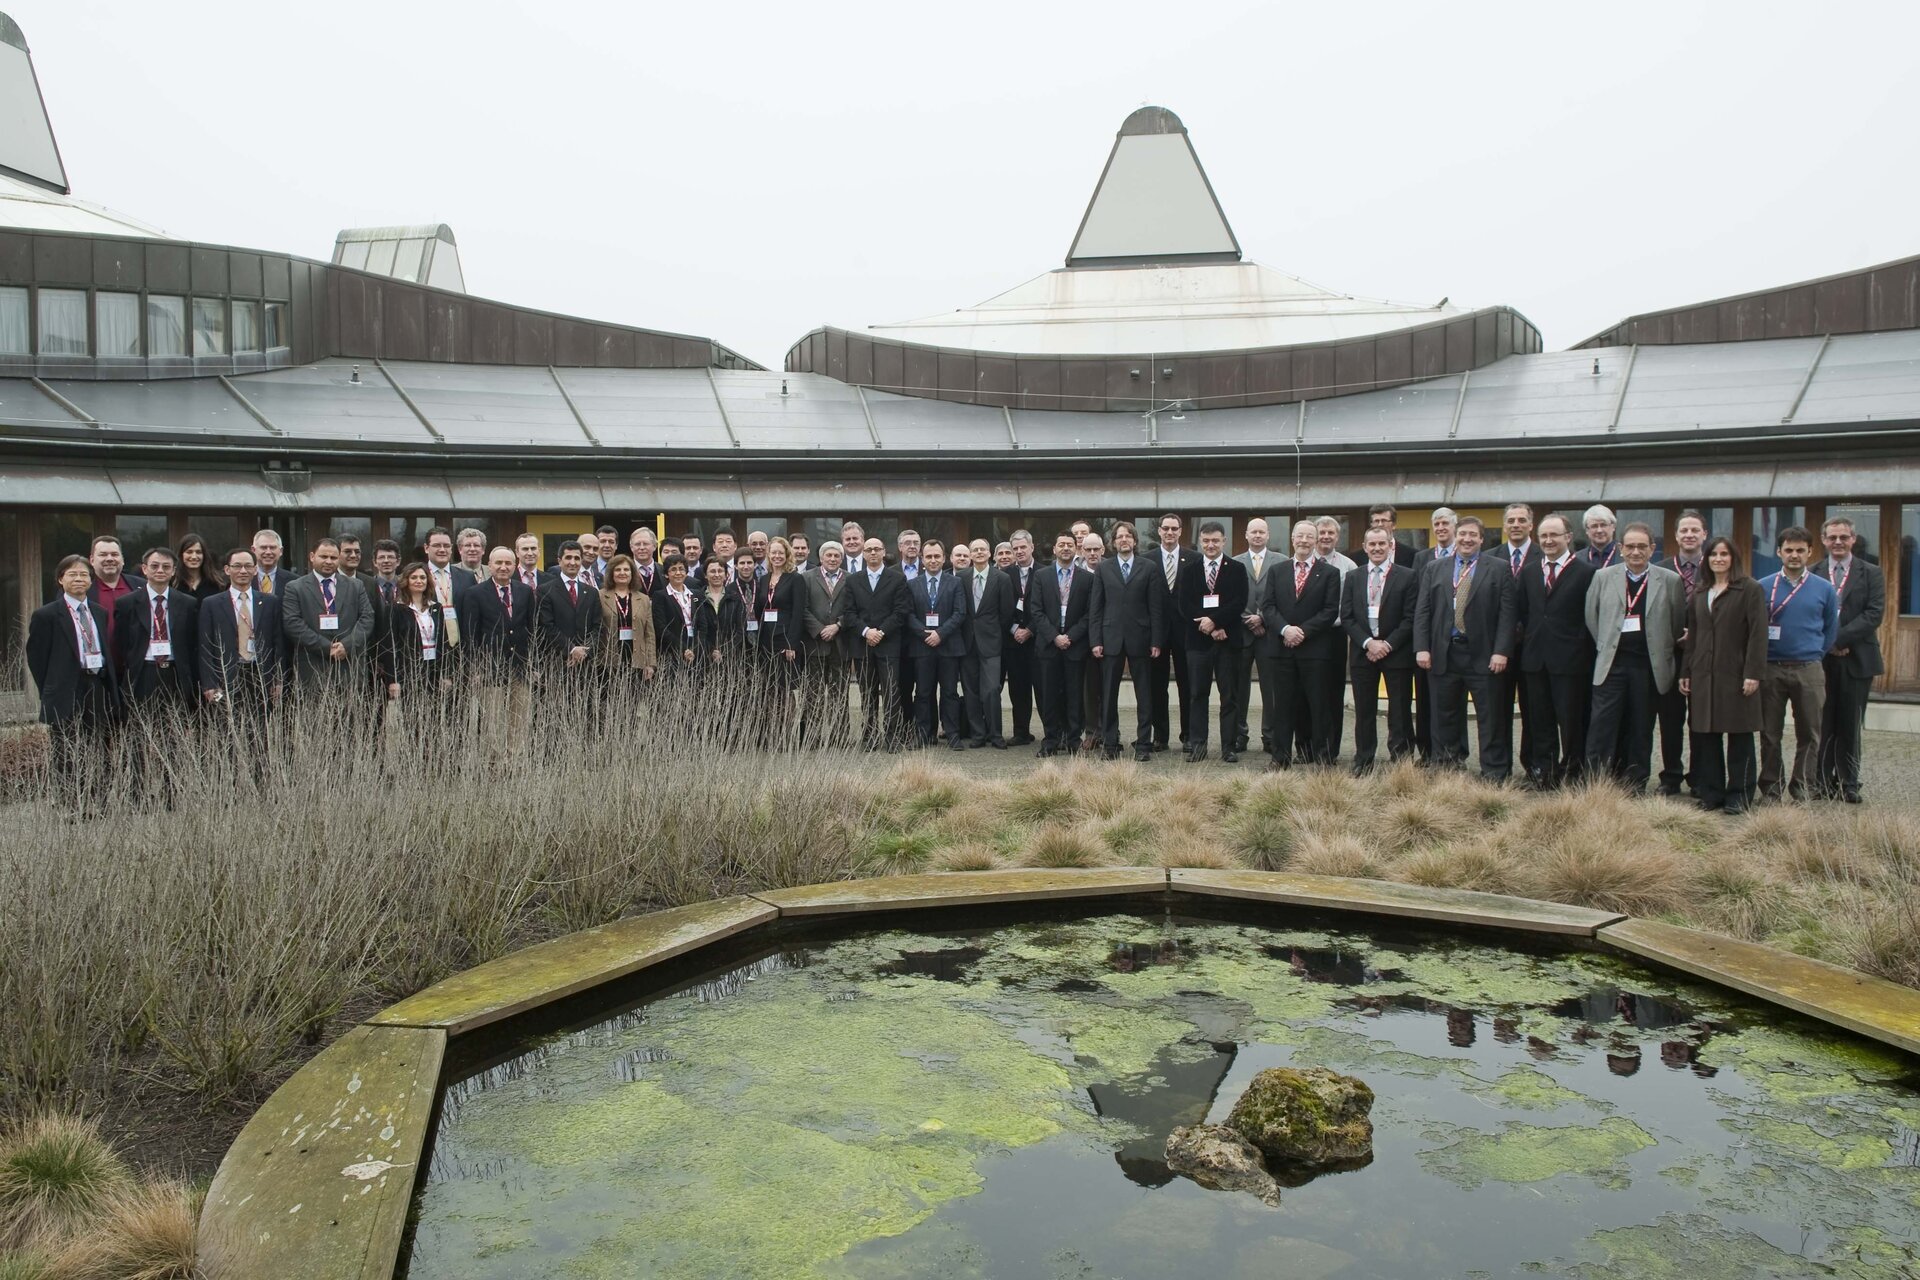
<point>1143,755</point>
<point>1044,752</point>
<point>1361,768</point>
<point>1021,740</point>
<point>958,744</point>
<point>1229,757</point>
<point>1196,752</point>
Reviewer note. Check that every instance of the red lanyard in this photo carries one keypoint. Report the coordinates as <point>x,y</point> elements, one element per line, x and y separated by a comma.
<point>423,618</point>
<point>1840,577</point>
<point>685,601</point>
<point>623,606</point>
<point>1774,611</point>
<point>1633,598</point>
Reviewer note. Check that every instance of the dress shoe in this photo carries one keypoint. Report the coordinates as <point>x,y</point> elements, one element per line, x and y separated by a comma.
<point>1229,757</point>
<point>1044,752</point>
<point>1735,805</point>
<point>1143,755</point>
<point>998,744</point>
<point>1021,740</point>
<point>1276,766</point>
<point>1852,797</point>
<point>957,744</point>
<point>1160,746</point>
<point>976,744</point>
<point>1668,790</point>
<point>1361,768</point>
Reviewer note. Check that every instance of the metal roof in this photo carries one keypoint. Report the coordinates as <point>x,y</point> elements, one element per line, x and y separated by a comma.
<point>35,208</point>
<point>1153,202</point>
<point>1609,396</point>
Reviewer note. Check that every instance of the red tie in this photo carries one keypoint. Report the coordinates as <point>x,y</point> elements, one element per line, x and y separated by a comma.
<point>506,599</point>
<point>160,619</point>
<point>1300,568</point>
<point>573,591</point>
<point>1553,575</point>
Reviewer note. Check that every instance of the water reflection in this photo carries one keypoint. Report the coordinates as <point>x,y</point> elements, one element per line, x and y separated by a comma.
<point>954,964</point>
<point>1176,1090</point>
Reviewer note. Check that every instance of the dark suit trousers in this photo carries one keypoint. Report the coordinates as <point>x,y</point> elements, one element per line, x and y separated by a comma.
<point>1301,705</point>
<point>937,674</point>
<point>1016,660</point>
<point>1169,670</point>
<point>909,673</point>
<point>1059,682</point>
<point>1670,708</point>
<point>1723,765</point>
<point>879,689</point>
<point>82,737</point>
<point>1509,688</point>
<point>1556,708</point>
<point>1843,719</point>
<point>1210,663</point>
<point>1247,668</point>
<point>1112,668</point>
<point>1422,713</point>
<point>1450,691</point>
<point>1366,679</point>
<point>980,685</point>
<point>1623,715</point>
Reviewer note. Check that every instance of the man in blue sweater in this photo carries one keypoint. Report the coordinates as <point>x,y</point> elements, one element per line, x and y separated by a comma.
<point>1803,618</point>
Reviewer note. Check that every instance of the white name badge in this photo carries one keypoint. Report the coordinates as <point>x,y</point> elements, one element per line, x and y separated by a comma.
<point>1019,606</point>
<point>329,622</point>
<point>933,621</point>
<point>770,615</point>
<point>689,631</point>
<point>429,651</point>
<point>448,612</point>
<point>1373,613</point>
<point>753,624</point>
<point>248,655</point>
<point>95,661</point>
<point>1629,624</point>
<point>1773,633</point>
<point>626,633</point>
<point>1209,602</point>
<point>158,649</point>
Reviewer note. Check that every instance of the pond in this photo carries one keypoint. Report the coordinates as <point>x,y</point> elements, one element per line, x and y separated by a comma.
<point>995,1102</point>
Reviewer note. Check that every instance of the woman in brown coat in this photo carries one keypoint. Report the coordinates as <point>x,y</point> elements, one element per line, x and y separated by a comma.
<point>1725,658</point>
<point>626,625</point>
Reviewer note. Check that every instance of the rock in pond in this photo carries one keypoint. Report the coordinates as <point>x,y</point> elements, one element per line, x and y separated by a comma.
<point>1221,1160</point>
<point>1309,1116</point>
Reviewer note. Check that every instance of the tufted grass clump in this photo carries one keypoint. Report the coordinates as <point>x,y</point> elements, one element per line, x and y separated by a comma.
<point>143,1232</point>
<point>26,1264</point>
<point>1481,865</point>
<point>967,857</point>
<point>1595,864</point>
<point>1041,797</point>
<point>892,852</point>
<point>1418,822</point>
<point>56,1172</point>
<point>1264,831</point>
<point>1058,844</point>
<point>1325,850</point>
<point>1131,835</point>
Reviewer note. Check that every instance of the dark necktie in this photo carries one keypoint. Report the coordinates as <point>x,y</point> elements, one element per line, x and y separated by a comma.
<point>506,599</point>
<point>573,591</point>
<point>1300,568</point>
<point>326,594</point>
<point>160,619</point>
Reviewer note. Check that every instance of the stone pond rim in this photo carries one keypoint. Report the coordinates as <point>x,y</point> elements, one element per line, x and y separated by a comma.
<point>318,1184</point>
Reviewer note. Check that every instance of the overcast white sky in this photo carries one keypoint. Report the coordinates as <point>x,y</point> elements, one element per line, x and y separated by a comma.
<point>749,171</point>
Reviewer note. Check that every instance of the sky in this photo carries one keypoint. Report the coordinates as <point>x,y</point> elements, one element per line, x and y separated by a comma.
<point>749,171</point>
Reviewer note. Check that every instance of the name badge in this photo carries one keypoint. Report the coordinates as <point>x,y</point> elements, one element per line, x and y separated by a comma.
<point>329,622</point>
<point>1773,633</point>
<point>429,651</point>
<point>933,621</point>
<point>158,649</point>
<point>689,631</point>
<point>753,624</point>
<point>1373,613</point>
<point>248,654</point>
<point>1019,606</point>
<point>626,633</point>
<point>770,615</point>
<point>95,661</point>
<point>1209,602</point>
<point>448,612</point>
<point>1629,624</point>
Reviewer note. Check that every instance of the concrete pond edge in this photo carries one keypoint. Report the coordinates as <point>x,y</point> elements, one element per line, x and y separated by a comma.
<point>319,1182</point>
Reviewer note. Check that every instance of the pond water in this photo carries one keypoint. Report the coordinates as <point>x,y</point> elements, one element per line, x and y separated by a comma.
<point>994,1102</point>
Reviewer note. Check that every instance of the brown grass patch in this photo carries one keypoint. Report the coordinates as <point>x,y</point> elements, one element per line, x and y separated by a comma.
<point>1418,822</point>
<point>1324,851</point>
<point>56,1173</point>
<point>142,1233</point>
<point>1059,845</point>
<point>1468,864</point>
<point>967,857</point>
<point>1594,864</point>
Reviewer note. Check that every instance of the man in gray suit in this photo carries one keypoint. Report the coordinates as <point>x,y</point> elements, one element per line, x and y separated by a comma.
<point>1253,643</point>
<point>992,594</point>
<point>830,649</point>
<point>328,624</point>
<point>1636,614</point>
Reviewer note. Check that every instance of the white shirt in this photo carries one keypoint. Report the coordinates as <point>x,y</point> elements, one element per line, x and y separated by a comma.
<point>85,633</point>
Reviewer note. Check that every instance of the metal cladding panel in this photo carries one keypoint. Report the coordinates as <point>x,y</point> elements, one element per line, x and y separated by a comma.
<point>403,324</point>
<point>1725,385</point>
<point>167,268</point>
<point>649,408</point>
<point>200,406</point>
<point>545,494</point>
<point>1893,297</point>
<point>1556,394</point>
<point>820,493</point>
<point>243,272</point>
<point>632,491</point>
<point>1043,429</point>
<point>201,490</point>
<point>1693,485</point>
<point>375,493</point>
<point>889,365</point>
<point>491,404</point>
<point>320,401</point>
<point>816,413</point>
<point>909,423</point>
<point>977,495</point>
<point>31,486</point>
<point>1039,382</point>
<point>1222,381</point>
<point>1270,426</point>
<point>119,264</point>
<point>532,338</point>
<point>1093,495</point>
<point>1419,411</point>
<point>68,260</point>
<point>1866,377</point>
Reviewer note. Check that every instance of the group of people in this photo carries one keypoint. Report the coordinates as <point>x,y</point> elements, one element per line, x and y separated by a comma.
<point>1598,648</point>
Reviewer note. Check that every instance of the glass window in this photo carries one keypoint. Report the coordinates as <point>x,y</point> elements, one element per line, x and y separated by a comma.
<point>772,526</point>
<point>443,271</point>
<point>139,532</point>
<point>406,259</point>
<point>1767,524</point>
<point>1655,518</point>
<point>246,326</point>
<point>1719,522</point>
<point>411,533</point>
<point>166,325</point>
<point>1866,530</point>
<point>116,324</point>
<point>14,333</point>
<point>1910,561</point>
<point>63,322</point>
<point>62,534</point>
<point>380,257</point>
<point>276,331</point>
<point>354,254</point>
<point>209,327</point>
<point>223,534</point>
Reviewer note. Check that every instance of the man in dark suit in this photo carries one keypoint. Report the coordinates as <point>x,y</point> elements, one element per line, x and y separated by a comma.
<point>1519,552</point>
<point>1556,655</point>
<point>1378,608</point>
<point>1463,630</point>
<point>1254,645</point>
<point>1060,598</point>
<point>1211,600</point>
<point>830,647</point>
<point>1853,661</point>
<point>72,667</point>
<point>1129,632</point>
<point>566,622</point>
<point>1382,515</point>
<point>907,544</point>
<point>1016,659</point>
<point>328,623</point>
<point>241,663</point>
<point>156,646</point>
<point>1670,707</point>
<point>938,623</point>
<point>1441,525</point>
<point>501,614</point>
<point>990,596</point>
<point>1635,616</point>
<point>1299,605</point>
<point>877,610</point>
<point>447,580</point>
<point>1170,560</point>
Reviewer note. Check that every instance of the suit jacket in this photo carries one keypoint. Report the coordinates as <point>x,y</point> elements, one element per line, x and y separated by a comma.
<point>954,609</point>
<point>993,618</point>
<point>221,665</point>
<point>562,622</point>
<point>1256,587</point>
<point>1399,593</point>
<point>1190,592</point>
<point>1863,604</point>
<point>405,663</point>
<point>1662,610</point>
<point>1315,609</point>
<point>1554,626</point>
<point>1426,557</point>
<point>54,658</point>
<point>884,607</point>
<point>1043,605</point>
<point>1728,645</point>
<point>670,627</point>
<point>1178,626</point>
<point>1130,614</point>
<point>646,645</point>
<point>307,644</point>
<point>827,607</point>
<point>133,630</point>
<point>1022,608</point>
<point>496,641</point>
<point>1490,614</point>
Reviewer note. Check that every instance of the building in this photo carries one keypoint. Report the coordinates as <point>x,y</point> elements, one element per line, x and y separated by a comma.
<point>151,385</point>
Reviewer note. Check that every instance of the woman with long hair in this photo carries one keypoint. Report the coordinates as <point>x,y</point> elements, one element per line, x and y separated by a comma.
<point>673,619</point>
<point>1725,659</point>
<point>198,577</point>
<point>416,639</point>
<point>627,642</point>
<point>720,620</point>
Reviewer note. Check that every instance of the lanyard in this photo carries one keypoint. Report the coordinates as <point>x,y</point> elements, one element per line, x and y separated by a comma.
<point>1552,569</point>
<point>684,599</point>
<point>423,618</point>
<point>1775,610</point>
<point>1377,584</point>
<point>1612,547</point>
<point>1633,598</point>
<point>1458,565</point>
<point>1841,575</point>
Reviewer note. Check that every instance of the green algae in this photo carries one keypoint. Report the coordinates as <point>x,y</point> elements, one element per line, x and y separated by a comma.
<point>1534,1090</point>
<point>1535,1153</point>
<point>1690,1247</point>
<point>1844,1151</point>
